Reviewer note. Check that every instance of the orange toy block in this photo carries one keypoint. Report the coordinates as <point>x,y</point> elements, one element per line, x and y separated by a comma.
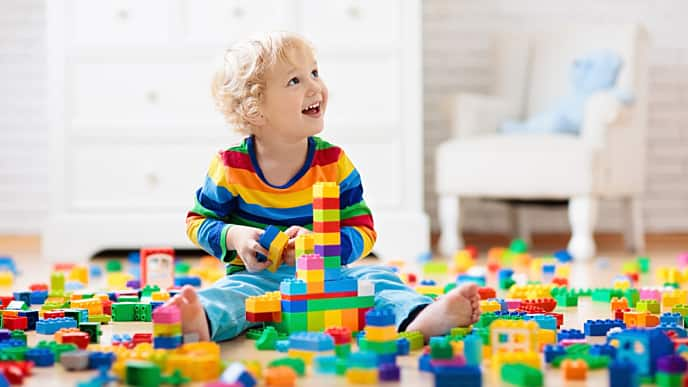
<point>640,320</point>
<point>619,303</point>
<point>280,376</point>
<point>574,369</point>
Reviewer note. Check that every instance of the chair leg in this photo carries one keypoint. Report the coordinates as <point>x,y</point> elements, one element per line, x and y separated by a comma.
<point>582,216</point>
<point>449,212</point>
<point>634,234</point>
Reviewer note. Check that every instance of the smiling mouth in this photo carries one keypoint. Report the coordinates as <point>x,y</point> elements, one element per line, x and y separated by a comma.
<point>312,110</point>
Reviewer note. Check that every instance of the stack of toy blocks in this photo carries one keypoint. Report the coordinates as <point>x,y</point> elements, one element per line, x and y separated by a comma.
<point>167,327</point>
<point>362,368</point>
<point>264,308</point>
<point>326,228</point>
<point>380,335</point>
<point>306,345</point>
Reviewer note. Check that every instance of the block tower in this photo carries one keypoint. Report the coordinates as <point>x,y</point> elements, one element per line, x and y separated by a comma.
<point>319,297</point>
<point>167,327</point>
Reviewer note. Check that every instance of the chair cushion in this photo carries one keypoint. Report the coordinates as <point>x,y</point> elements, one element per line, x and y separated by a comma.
<point>516,166</point>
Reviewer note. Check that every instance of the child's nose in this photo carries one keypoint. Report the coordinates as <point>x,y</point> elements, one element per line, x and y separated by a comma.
<point>314,87</point>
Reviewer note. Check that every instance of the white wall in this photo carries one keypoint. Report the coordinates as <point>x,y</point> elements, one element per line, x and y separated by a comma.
<point>456,59</point>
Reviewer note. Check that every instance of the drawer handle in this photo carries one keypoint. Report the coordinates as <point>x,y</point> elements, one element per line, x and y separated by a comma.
<point>152,97</point>
<point>123,15</point>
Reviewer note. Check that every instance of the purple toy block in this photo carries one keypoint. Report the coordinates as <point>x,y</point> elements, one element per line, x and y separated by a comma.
<point>389,372</point>
<point>673,364</point>
<point>328,251</point>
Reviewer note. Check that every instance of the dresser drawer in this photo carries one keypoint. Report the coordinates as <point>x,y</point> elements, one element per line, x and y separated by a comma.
<point>223,22</point>
<point>167,98</point>
<point>353,24</point>
<point>118,23</point>
<point>136,178</point>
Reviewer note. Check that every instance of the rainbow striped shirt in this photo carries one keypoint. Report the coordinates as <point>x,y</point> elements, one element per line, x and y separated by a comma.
<point>235,192</point>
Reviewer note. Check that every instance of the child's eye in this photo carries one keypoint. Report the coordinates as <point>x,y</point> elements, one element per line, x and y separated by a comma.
<point>315,73</point>
<point>293,81</point>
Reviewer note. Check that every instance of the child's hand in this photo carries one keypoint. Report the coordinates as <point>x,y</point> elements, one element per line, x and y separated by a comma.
<point>244,240</point>
<point>289,254</point>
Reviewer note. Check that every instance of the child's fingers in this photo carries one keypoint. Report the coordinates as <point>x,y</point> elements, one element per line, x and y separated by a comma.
<point>292,231</point>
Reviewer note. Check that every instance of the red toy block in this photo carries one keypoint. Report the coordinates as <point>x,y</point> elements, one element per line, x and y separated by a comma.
<point>340,335</point>
<point>80,339</point>
<point>12,323</point>
<point>619,303</point>
<point>411,279</point>
<point>139,338</point>
<point>634,277</point>
<point>560,281</point>
<point>530,308</point>
<point>15,371</point>
<point>486,293</point>
<point>6,300</point>
<point>107,307</point>
<point>558,316</point>
<point>472,250</point>
<point>63,266</point>
<point>361,317</point>
<point>259,317</point>
<point>53,314</point>
<point>547,304</point>
<point>38,287</point>
<point>619,313</point>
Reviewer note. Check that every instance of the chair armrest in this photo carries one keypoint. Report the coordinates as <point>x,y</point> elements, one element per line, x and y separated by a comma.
<point>476,114</point>
<point>603,111</point>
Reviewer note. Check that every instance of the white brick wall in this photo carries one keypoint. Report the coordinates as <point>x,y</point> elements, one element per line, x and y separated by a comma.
<point>455,59</point>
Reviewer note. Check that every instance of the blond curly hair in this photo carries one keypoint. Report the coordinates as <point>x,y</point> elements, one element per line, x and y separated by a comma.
<point>238,87</point>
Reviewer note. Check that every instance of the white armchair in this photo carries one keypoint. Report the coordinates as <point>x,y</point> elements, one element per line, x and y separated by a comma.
<point>606,160</point>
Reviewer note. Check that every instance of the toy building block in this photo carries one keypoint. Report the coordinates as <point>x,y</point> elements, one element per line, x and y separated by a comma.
<point>75,360</point>
<point>643,347</point>
<point>49,327</point>
<point>280,376</point>
<point>41,357</point>
<point>267,340</point>
<point>574,369</point>
<point>521,375</point>
<point>80,339</point>
<point>237,373</point>
<point>601,327</point>
<point>650,306</point>
<point>389,372</point>
<point>157,267</point>
<point>274,241</point>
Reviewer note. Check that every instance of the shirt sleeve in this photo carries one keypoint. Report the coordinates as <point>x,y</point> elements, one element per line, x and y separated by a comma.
<point>206,222</point>
<point>357,229</point>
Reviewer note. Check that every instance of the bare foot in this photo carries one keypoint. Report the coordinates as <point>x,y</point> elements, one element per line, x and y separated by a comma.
<point>458,308</point>
<point>193,315</point>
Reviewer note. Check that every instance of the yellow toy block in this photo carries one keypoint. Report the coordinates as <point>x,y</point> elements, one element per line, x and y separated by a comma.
<point>160,296</point>
<point>350,319</point>
<point>94,306</point>
<point>276,249</point>
<point>254,368</point>
<point>522,260</point>
<point>463,260</point>
<point>531,291</point>
<point>562,270</point>
<point>429,289</point>
<point>117,280</point>
<point>306,356</point>
<point>489,306</point>
<point>457,347</point>
<point>362,376</point>
<point>327,238</point>
<point>197,367</point>
<point>268,302</point>
<point>513,335</point>
<point>6,279</point>
<point>546,336</point>
<point>167,329</point>
<point>315,321</point>
<point>622,284</point>
<point>529,358</point>
<point>325,190</point>
<point>315,287</point>
<point>79,273</point>
<point>317,275</point>
<point>373,333</point>
<point>672,298</point>
<point>304,244</point>
<point>333,318</point>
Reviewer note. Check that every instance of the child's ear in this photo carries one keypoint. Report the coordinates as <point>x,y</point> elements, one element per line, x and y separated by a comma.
<point>256,119</point>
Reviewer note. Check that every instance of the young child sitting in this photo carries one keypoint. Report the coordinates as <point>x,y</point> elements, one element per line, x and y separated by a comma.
<point>270,90</point>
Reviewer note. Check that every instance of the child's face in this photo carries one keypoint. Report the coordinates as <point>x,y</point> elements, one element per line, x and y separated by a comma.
<point>295,97</point>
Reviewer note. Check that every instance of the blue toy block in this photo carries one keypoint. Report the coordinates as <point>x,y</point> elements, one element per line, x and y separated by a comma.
<point>297,306</point>
<point>643,347</point>
<point>466,376</point>
<point>566,334</point>
<point>503,274</point>
<point>50,326</point>
<point>5,334</point>
<point>311,341</point>
<point>623,374</point>
<point>363,359</point>
<point>23,296</point>
<point>156,304</point>
<point>553,351</point>
<point>603,350</point>
<point>7,264</point>
<point>427,282</point>
<point>466,278</point>
<point>343,284</point>
<point>73,286</point>
<point>389,358</point>
<point>133,284</point>
<point>236,373</point>
<point>678,330</point>
<point>294,287</point>
<point>187,280</point>
<point>332,274</point>
<point>424,257</point>
<point>380,317</point>
<point>548,269</point>
<point>282,345</point>
<point>512,314</point>
<point>601,327</point>
<point>265,240</point>
<point>167,342</point>
<point>473,349</point>
<point>563,256</point>
<point>97,360</point>
<point>424,363</point>
<point>3,381</point>
<point>31,318</point>
<point>671,318</point>
<point>325,364</point>
<point>41,357</point>
<point>543,321</point>
<point>403,346</point>
<point>38,297</point>
<point>95,271</point>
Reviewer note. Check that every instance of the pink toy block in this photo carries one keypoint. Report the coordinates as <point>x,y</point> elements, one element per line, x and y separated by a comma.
<point>457,361</point>
<point>650,294</point>
<point>683,259</point>
<point>567,342</point>
<point>169,314</point>
<point>513,304</point>
<point>310,262</point>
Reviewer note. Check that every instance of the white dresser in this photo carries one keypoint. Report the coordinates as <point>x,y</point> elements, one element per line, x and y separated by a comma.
<point>133,127</point>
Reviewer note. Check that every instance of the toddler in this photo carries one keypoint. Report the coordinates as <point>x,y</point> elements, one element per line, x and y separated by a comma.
<point>270,90</point>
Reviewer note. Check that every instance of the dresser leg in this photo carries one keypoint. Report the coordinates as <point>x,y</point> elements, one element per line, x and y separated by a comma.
<point>449,212</point>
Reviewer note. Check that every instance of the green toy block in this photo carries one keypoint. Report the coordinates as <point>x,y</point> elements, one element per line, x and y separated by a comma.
<point>57,348</point>
<point>57,282</point>
<point>76,314</point>
<point>148,291</point>
<point>521,375</point>
<point>485,320</point>
<point>142,374</point>
<point>342,365</point>
<point>267,340</point>
<point>113,266</point>
<point>316,321</point>
<point>132,299</point>
<point>99,318</point>
<point>506,283</point>
<point>440,348</point>
<point>665,379</point>
<point>332,262</point>
<point>182,268</point>
<point>460,331</point>
<point>644,264</point>
<point>379,347</point>
<point>294,322</point>
<point>518,246</point>
<point>633,296</point>
<point>674,285</point>
<point>606,294</point>
<point>93,330</point>
<point>342,350</point>
<point>449,287</point>
<point>143,312</point>
<point>566,299</point>
<point>682,309</point>
<point>13,353</point>
<point>326,215</point>
<point>297,364</point>
<point>122,311</point>
<point>593,361</point>
<point>578,348</point>
<point>630,267</point>
<point>323,304</point>
<point>484,334</point>
<point>18,334</point>
<point>651,306</point>
<point>435,268</point>
<point>415,338</point>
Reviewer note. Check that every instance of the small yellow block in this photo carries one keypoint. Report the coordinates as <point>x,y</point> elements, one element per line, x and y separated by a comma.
<point>167,329</point>
<point>276,248</point>
<point>362,376</point>
<point>333,318</point>
<point>304,244</point>
<point>317,275</point>
<point>268,302</point>
<point>489,306</point>
<point>160,296</point>
<point>327,239</point>
<point>373,333</point>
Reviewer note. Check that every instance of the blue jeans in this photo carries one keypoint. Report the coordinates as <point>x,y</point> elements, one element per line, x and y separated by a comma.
<point>224,302</point>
